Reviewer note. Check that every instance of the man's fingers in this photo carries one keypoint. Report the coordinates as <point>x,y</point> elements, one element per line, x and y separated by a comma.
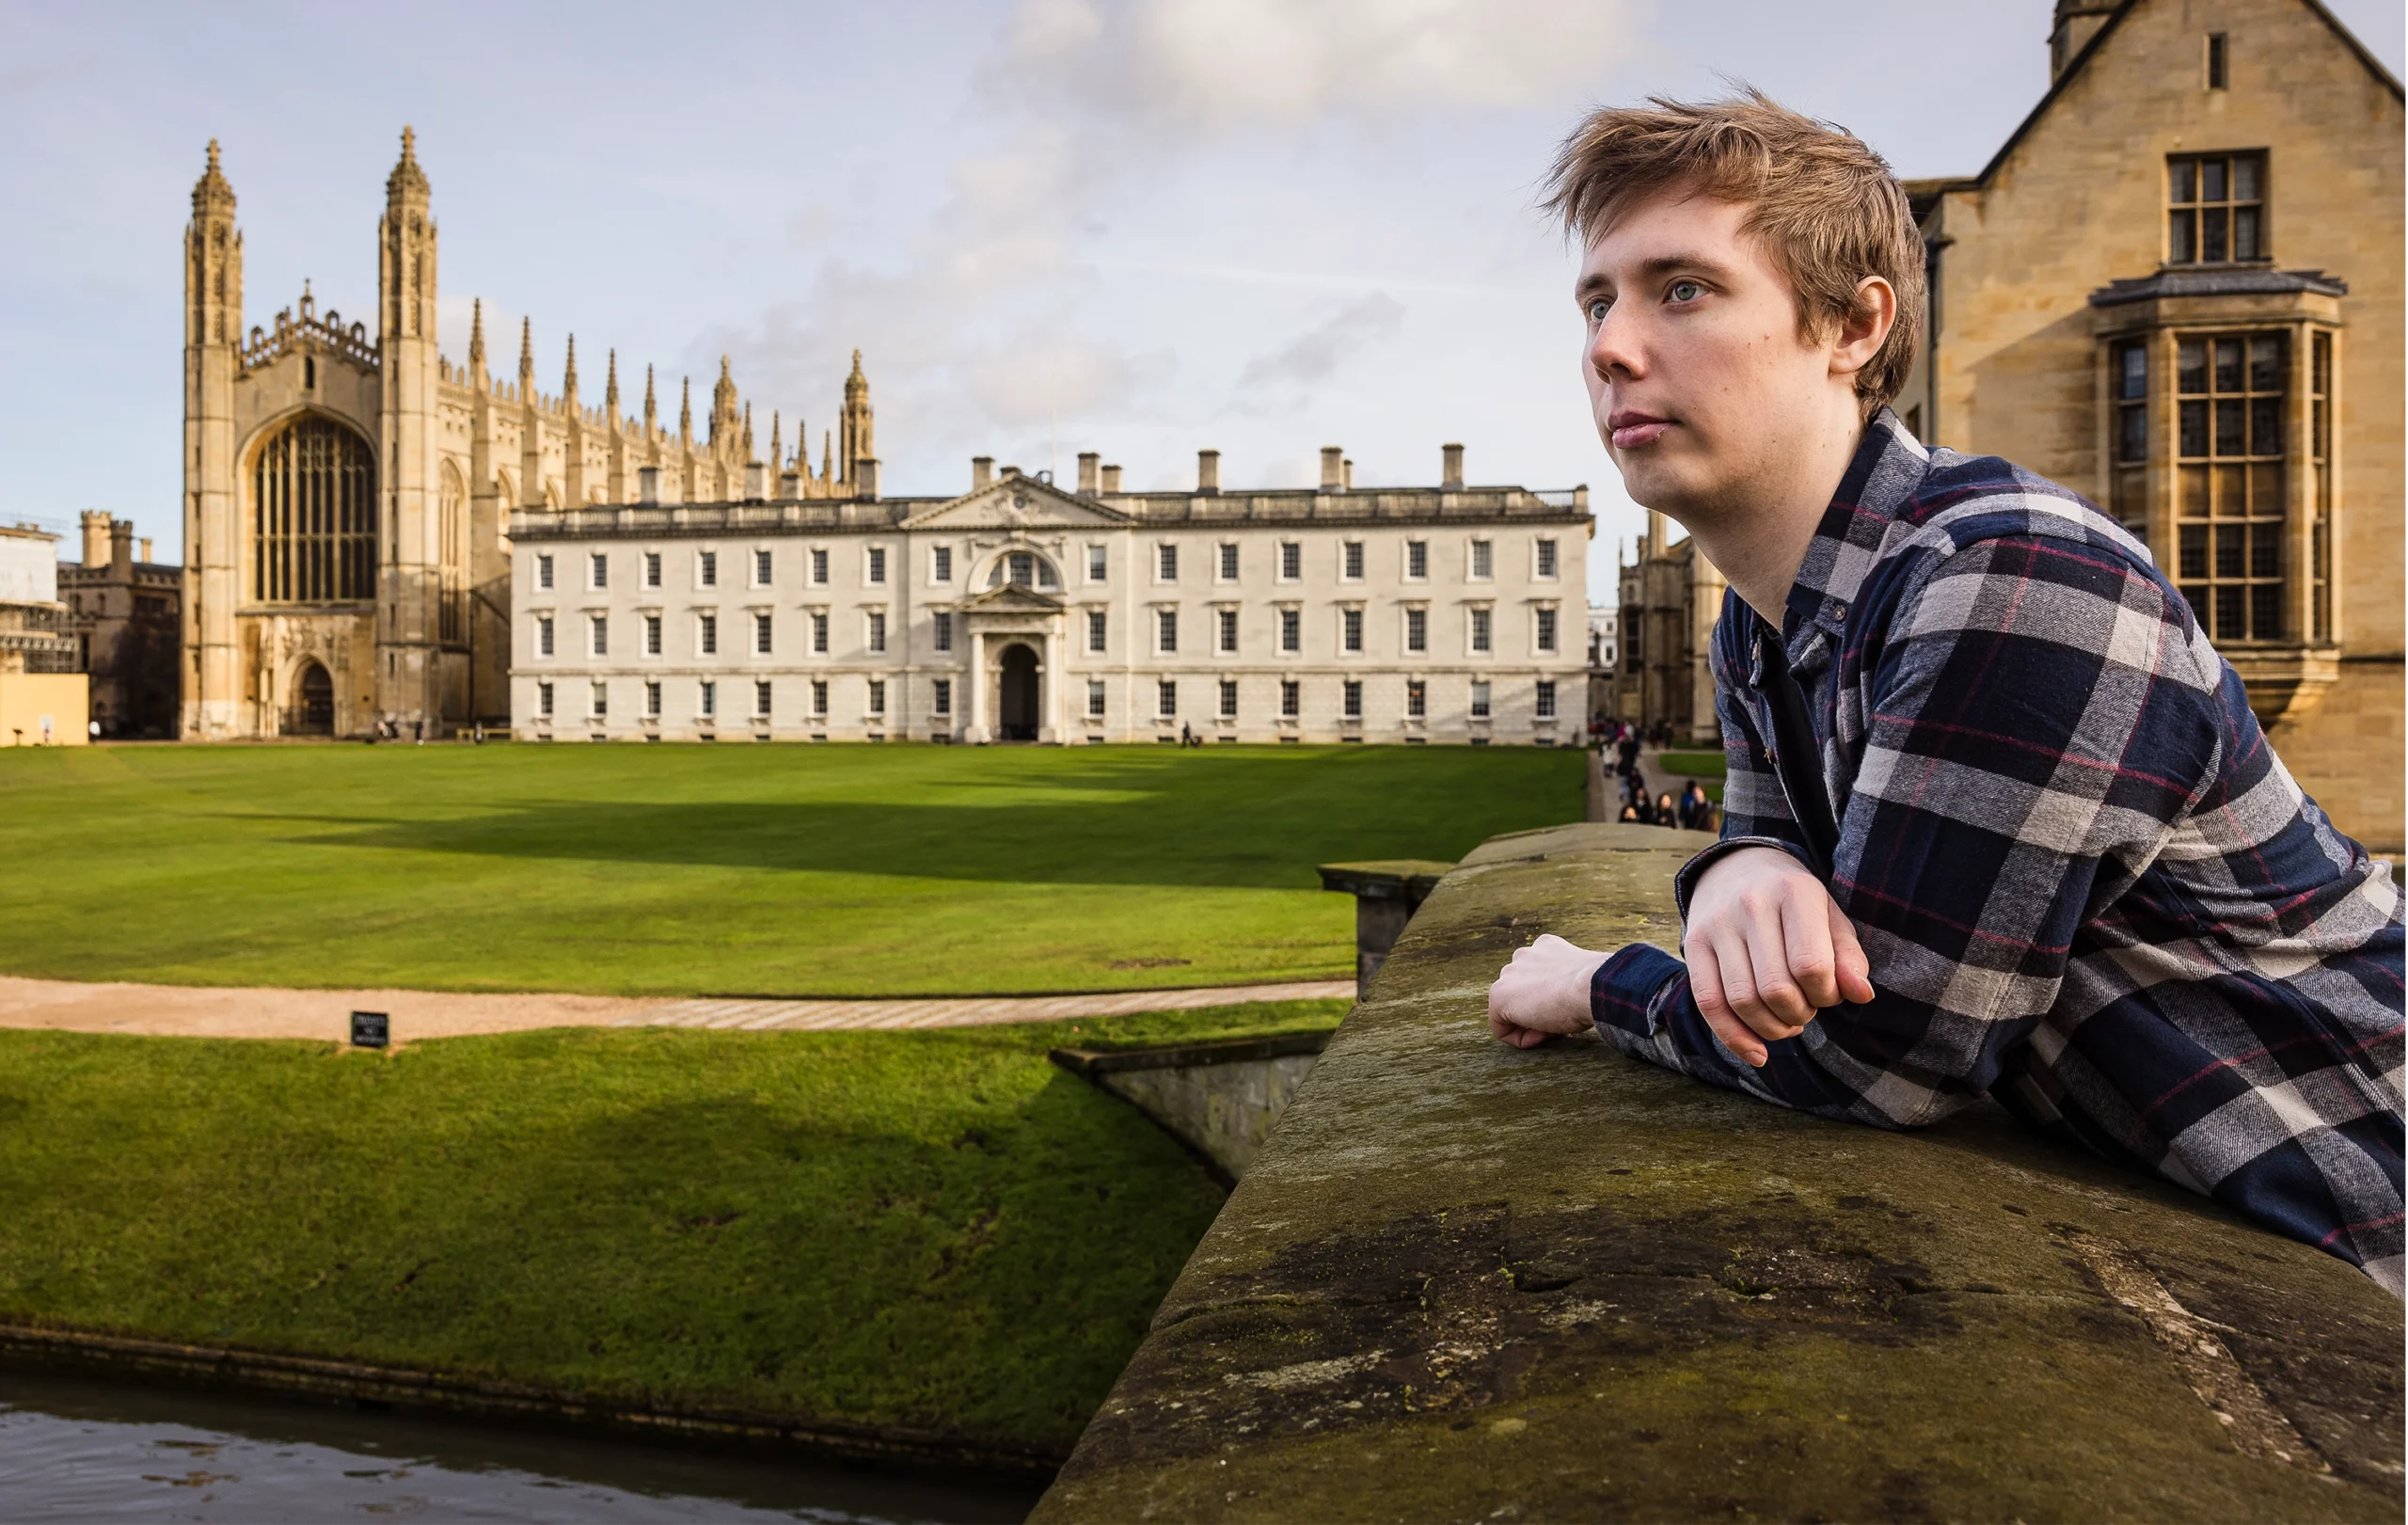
<point>1854,971</point>
<point>1713,1004</point>
<point>1779,1007</point>
<point>1806,946</point>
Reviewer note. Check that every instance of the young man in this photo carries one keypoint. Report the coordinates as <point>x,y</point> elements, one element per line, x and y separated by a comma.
<point>1998,819</point>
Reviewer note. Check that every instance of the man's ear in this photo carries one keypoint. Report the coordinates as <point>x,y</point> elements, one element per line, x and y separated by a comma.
<point>1866,328</point>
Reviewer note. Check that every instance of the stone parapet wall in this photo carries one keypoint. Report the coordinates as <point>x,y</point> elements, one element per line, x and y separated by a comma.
<point>1464,1281</point>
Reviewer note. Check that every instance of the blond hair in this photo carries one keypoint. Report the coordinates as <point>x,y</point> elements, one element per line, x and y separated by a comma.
<point>1826,207</point>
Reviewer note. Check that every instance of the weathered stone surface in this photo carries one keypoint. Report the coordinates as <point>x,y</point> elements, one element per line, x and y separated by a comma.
<point>1464,1281</point>
<point>1220,1099</point>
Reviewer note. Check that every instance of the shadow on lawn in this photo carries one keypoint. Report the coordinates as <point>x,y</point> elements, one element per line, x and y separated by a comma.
<point>1159,840</point>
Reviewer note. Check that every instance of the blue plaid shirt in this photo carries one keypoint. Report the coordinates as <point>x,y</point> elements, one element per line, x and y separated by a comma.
<point>2086,884</point>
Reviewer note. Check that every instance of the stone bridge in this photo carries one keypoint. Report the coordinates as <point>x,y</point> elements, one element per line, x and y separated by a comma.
<point>1464,1281</point>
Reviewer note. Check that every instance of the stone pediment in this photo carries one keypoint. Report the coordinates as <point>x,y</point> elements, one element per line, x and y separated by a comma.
<point>1017,504</point>
<point>1012,598</point>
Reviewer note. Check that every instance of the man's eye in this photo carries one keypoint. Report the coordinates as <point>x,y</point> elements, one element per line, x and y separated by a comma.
<point>1597,310</point>
<point>1687,291</point>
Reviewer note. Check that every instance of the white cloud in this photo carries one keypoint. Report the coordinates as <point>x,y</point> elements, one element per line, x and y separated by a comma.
<point>1320,352</point>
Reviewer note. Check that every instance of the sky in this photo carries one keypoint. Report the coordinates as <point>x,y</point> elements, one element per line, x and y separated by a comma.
<point>1142,228</point>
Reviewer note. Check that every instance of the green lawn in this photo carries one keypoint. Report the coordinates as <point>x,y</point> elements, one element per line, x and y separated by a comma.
<point>736,869</point>
<point>936,1230</point>
<point>1705,766</point>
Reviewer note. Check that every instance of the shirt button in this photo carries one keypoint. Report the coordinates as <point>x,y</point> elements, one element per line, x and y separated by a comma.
<point>1838,610</point>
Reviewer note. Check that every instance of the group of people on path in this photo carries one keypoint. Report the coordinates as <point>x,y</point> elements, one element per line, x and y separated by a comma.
<point>1691,810</point>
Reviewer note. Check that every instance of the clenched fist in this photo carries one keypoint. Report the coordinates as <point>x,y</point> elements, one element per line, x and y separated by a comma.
<point>1543,993</point>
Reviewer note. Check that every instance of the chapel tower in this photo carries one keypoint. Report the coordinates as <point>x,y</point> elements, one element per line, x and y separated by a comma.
<point>213,329</point>
<point>859,440</point>
<point>413,673</point>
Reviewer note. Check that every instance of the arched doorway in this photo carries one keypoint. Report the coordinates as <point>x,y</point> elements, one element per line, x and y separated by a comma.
<point>1017,711</point>
<point>313,703</point>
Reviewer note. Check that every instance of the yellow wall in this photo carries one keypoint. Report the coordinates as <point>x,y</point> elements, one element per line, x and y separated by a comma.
<point>26,697</point>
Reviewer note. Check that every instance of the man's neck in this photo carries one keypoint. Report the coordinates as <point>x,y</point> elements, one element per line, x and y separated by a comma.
<point>1757,537</point>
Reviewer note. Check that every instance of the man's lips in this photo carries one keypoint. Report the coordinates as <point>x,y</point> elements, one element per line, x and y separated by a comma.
<point>1629,429</point>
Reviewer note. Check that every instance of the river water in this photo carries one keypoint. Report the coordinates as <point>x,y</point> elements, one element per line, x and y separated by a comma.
<point>77,1449</point>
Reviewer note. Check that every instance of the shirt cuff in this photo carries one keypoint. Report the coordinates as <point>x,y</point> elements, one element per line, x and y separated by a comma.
<point>1623,992</point>
<point>1684,883</point>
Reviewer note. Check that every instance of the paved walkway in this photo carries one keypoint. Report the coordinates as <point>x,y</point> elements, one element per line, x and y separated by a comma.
<point>207,1011</point>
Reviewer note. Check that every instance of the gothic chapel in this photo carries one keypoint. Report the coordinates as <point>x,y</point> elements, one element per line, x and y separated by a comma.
<point>347,496</point>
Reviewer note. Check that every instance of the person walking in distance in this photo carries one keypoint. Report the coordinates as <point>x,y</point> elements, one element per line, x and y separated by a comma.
<point>1997,817</point>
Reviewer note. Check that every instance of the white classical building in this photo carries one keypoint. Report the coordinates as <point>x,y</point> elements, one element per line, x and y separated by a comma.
<point>1021,611</point>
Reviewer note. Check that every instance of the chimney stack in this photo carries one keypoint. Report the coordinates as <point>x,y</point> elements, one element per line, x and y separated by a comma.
<point>1346,475</point>
<point>121,547</point>
<point>96,538</point>
<point>1111,479</point>
<point>757,482</point>
<point>145,544</point>
<point>982,471</point>
<point>1333,473</point>
<point>865,477</point>
<point>1207,471</point>
<point>648,484</point>
<point>1088,461</point>
<point>1451,468</point>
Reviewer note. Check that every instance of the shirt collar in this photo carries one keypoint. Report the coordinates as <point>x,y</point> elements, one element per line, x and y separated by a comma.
<point>1889,466</point>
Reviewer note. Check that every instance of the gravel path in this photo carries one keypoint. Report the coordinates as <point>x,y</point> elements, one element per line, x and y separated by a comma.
<point>206,1011</point>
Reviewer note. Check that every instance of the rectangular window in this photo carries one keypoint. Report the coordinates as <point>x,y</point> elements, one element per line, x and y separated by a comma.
<point>2230,464</point>
<point>1547,699</point>
<point>876,569</point>
<point>1546,631</point>
<point>542,635</point>
<point>1096,563</point>
<point>1166,564</point>
<point>820,566</point>
<point>760,699</point>
<point>1480,635</point>
<point>1166,630</point>
<point>1291,698</point>
<point>1226,619</point>
<point>652,699</point>
<point>707,569</point>
<point>1166,699</point>
<point>1291,630</point>
<point>1479,699</point>
<point>819,697</point>
<point>2216,208</point>
<point>878,630</point>
<point>1417,699</point>
<point>2218,55</point>
<point>1229,561</point>
<point>601,570</point>
<point>877,696</point>
<point>1291,560</point>
<point>1417,559</point>
<point>761,644</point>
<point>1416,629</point>
<point>2127,492</point>
<point>761,567</point>
<point>1352,693</point>
<point>819,632</point>
<point>652,570</point>
<point>601,701</point>
<point>940,565</point>
<point>1352,561</point>
<point>708,700</point>
<point>942,633</point>
<point>1095,698</point>
<point>1483,560</point>
<point>706,629</point>
<point>941,697</point>
<point>601,635</point>
<point>542,571</point>
<point>544,699</point>
<point>1094,631</point>
<point>651,635</point>
<point>1229,698</point>
<point>1350,629</point>
<point>1546,558</point>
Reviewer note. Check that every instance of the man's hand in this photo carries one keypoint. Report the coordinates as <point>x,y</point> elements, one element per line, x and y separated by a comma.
<point>1768,947</point>
<point>1543,993</point>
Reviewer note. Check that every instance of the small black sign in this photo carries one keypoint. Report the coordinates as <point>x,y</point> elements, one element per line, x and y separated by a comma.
<point>368,1029</point>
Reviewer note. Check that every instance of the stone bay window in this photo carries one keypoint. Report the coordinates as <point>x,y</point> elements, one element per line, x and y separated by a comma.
<point>2216,428</point>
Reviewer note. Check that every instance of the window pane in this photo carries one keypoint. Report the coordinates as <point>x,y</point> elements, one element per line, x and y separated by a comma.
<point>2227,622</point>
<point>2135,435</point>
<point>2265,364</point>
<point>2266,550</point>
<point>2232,488</point>
<point>2229,439</point>
<point>2244,232</point>
<point>2228,365</point>
<point>2266,487</point>
<point>2192,369</point>
<point>2182,238</point>
<point>2244,178</point>
<point>2185,181</point>
<point>2266,612</point>
<point>2194,429</point>
<point>2211,179</point>
<point>2194,550</point>
<point>2228,549</point>
<point>2135,371</point>
<point>2265,426</point>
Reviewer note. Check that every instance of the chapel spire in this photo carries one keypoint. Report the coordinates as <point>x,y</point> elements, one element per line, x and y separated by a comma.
<point>568,382</point>
<point>525,360</point>
<point>651,409</point>
<point>213,262</point>
<point>476,345</point>
<point>686,412</point>
<point>610,387</point>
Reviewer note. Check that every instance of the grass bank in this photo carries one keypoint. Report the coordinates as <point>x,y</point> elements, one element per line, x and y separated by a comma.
<point>684,870</point>
<point>938,1231</point>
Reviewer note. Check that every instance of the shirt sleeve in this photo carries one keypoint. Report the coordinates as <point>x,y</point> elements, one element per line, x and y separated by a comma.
<point>1756,812</point>
<point>2037,722</point>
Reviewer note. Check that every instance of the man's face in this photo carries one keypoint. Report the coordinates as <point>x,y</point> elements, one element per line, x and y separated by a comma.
<point>1701,388</point>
